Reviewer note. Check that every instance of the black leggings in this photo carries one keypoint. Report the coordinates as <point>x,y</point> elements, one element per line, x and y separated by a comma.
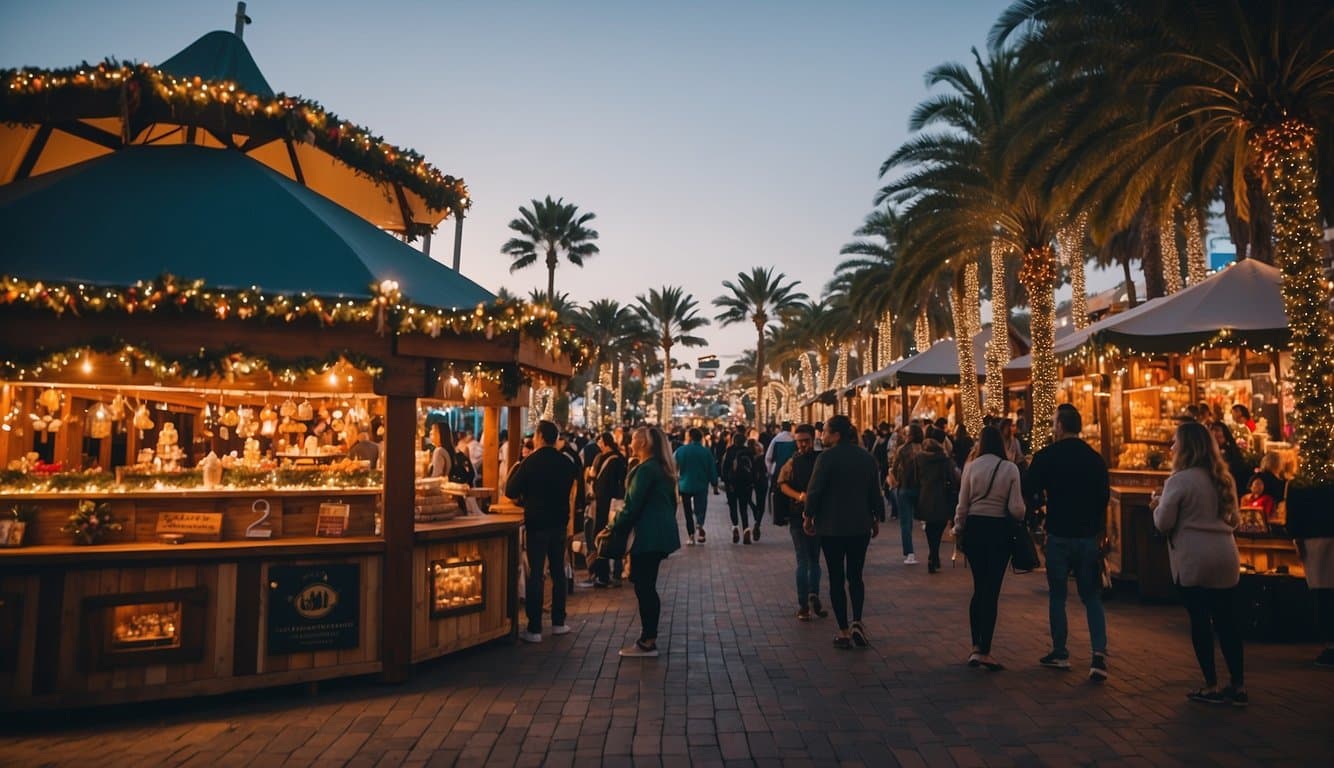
<point>1213,611</point>
<point>987,545</point>
<point>844,558</point>
<point>644,575</point>
<point>739,499</point>
<point>934,531</point>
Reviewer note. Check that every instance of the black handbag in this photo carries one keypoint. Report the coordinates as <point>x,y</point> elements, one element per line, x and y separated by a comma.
<point>1023,551</point>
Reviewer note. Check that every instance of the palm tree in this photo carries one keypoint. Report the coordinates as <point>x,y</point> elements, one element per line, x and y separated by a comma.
<point>1256,78</point>
<point>564,308</point>
<point>550,228</point>
<point>671,315</point>
<point>610,330</point>
<point>757,297</point>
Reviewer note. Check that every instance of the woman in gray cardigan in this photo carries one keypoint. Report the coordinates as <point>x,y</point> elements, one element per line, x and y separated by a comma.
<point>1198,512</point>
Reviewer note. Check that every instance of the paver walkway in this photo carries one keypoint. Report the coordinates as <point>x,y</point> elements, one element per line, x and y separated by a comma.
<point>741,682</point>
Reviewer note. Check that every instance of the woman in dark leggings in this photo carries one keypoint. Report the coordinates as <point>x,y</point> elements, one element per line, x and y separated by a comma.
<point>740,485</point>
<point>844,507</point>
<point>988,493</point>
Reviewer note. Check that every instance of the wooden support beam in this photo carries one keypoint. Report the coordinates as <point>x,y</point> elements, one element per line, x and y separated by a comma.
<point>491,446</point>
<point>399,496</point>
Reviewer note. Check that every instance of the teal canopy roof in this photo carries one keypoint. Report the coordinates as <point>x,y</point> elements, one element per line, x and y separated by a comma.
<point>219,56</point>
<point>208,214</point>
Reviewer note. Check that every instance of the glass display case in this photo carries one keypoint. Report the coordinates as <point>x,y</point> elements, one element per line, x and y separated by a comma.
<point>144,627</point>
<point>457,587</point>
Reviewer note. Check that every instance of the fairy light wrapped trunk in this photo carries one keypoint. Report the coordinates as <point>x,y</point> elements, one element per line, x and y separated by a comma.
<point>1167,244</point>
<point>998,346</point>
<point>1038,275</point>
<point>970,407</point>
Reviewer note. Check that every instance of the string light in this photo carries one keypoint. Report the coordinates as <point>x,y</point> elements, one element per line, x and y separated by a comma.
<point>1070,240</point>
<point>885,339</point>
<point>1196,266</point>
<point>1167,245</point>
<point>972,291</point>
<point>1038,275</point>
<point>1287,155</point>
<point>998,348</point>
<point>970,410</point>
<point>922,332</point>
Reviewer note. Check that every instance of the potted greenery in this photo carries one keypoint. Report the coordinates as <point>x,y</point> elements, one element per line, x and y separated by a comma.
<point>91,522</point>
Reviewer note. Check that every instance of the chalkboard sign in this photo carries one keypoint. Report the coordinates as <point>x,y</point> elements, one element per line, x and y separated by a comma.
<point>313,607</point>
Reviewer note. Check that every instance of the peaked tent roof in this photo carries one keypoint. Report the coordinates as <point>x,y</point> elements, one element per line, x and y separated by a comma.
<point>213,215</point>
<point>938,365</point>
<point>219,56</point>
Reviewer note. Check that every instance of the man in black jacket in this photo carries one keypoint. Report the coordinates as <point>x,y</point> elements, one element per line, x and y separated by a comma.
<point>1071,479</point>
<point>543,484</point>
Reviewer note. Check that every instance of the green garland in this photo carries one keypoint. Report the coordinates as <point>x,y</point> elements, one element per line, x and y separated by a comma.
<point>34,96</point>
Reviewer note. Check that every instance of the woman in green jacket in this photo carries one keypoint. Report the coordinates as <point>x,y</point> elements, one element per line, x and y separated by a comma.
<point>650,511</point>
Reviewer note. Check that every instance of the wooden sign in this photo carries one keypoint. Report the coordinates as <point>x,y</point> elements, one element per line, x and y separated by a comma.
<point>200,526</point>
<point>313,608</point>
<point>332,520</point>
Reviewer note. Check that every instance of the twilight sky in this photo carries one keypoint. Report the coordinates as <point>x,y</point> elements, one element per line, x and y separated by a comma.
<point>708,137</point>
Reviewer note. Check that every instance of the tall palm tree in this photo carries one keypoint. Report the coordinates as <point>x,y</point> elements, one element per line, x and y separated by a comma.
<point>1255,77</point>
<point>550,228</point>
<point>758,297</point>
<point>610,329</point>
<point>672,316</point>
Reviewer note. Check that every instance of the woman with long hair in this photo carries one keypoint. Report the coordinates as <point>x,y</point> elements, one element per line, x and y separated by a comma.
<point>737,471</point>
<point>442,458</point>
<point>844,508</point>
<point>608,480</point>
<point>1197,511</point>
<point>989,492</point>
<point>650,511</point>
<point>1233,459</point>
<point>903,477</point>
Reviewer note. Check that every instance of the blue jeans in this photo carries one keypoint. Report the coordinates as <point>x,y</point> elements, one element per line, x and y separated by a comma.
<point>808,564</point>
<point>907,505</point>
<point>693,505</point>
<point>1065,555</point>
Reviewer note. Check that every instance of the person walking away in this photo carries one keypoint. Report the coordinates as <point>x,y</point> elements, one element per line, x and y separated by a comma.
<point>781,448</point>
<point>793,479</point>
<point>1070,479</point>
<point>650,510</point>
<point>881,449</point>
<point>903,476</point>
<point>697,473</point>
<point>989,492</point>
<point>761,487</point>
<point>738,476</point>
<point>963,445</point>
<point>938,496</point>
<point>844,508</point>
<point>1197,511</point>
<point>543,483</point>
<point>609,472</point>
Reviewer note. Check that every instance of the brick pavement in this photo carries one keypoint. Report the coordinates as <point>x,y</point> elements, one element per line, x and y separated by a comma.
<point>740,682</point>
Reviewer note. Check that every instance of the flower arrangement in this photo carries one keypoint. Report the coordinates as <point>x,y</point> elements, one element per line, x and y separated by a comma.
<point>91,522</point>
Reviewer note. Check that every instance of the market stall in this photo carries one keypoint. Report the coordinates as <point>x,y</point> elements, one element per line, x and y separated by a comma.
<point>923,386</point>
<point>196,494</point>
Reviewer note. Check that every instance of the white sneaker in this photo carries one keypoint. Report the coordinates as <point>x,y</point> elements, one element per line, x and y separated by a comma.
<point>690,540</point>
<point>530,637</point>
<point>910,560</point>
<point>561,629</point>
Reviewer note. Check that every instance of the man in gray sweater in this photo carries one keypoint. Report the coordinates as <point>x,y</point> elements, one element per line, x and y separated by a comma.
<point>1071,480</point>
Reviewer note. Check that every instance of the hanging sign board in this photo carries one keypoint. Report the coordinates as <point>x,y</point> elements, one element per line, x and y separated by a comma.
<point>198,526</point>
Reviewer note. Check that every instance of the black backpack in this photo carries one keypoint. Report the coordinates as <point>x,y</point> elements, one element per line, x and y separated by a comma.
<point>743,467</point>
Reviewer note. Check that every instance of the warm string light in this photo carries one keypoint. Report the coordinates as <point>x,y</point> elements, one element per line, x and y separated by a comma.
<point>998,347</point>
<point>1038,274</point>
<point>922,332</point>
<point>1167,245</point>
<point>972,291</point>
<point>885,339</point>
<point>840,381</point>
<point>1196,265</point>
<point>1287,155</point>
<point>808,374</point>
<point>31,93</point>
<point>228,366</point>
<point>970,409</point>
<point>1070,240</point>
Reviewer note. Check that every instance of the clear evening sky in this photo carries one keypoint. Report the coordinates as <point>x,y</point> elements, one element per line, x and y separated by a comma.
<point>707,136</point>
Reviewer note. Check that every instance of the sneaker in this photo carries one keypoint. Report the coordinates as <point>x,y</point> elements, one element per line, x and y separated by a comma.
<point>587,583</point>
<point>858,633</point>
<point>736,534</point>
<point>910,559</point>
<point>530,637</point>
<point>1098,668</point>
<point>700,535</point>
<point>842,643</point>
<point>746,538</point>
<point>1055,660</point>
<point>561,629</point>
<point>755,535</point>
<point>690,540</point>
<point>1207,697</point>
<point>639,650</point>
<point>602,584</point>
<point>1325,659</point>
<point>1235,697</point>
<point>616,583</point>
<point>813,603</point>
<point>804,614</point>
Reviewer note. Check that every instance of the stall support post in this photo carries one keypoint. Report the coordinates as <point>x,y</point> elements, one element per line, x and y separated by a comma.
<point>491,446</point>
<point>399,492</point>
<point>903,396</point>
<point>515,427</point>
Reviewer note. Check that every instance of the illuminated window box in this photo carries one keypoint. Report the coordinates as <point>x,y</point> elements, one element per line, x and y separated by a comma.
<point>143,628</point>
<point>457,587</point>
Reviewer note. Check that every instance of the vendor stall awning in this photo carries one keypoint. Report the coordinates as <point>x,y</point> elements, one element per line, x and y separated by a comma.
<point>212,215</point>
<point>937,366</point>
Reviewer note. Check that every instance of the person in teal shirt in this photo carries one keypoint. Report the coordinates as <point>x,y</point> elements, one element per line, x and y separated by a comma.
<point>698,472</point>
<point>650,511</point>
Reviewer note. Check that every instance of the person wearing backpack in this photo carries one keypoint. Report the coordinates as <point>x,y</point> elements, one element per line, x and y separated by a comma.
<point>738,476</point>
<point>907,484</point>
<point>761,477</point>
<point>697,473</point>
<point>938,496</point>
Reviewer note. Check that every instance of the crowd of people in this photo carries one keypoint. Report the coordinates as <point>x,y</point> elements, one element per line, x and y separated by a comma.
<point>833,488</point>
